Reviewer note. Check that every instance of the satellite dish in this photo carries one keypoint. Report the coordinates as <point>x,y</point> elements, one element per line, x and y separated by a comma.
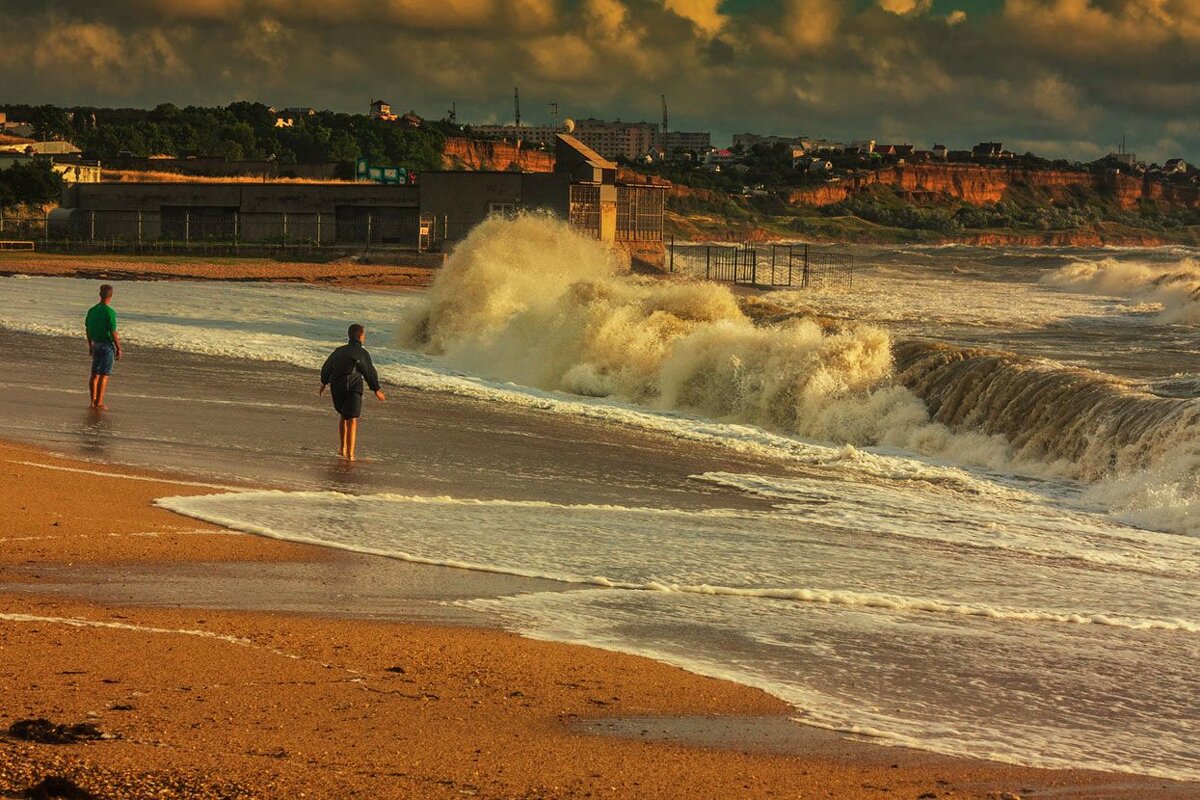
<point>569,125</point>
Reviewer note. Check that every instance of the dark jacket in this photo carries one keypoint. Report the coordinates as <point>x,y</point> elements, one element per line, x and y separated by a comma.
<point>347,367</point>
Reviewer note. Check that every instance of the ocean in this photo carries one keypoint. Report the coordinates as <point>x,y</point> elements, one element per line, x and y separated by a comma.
<point>974,529</point>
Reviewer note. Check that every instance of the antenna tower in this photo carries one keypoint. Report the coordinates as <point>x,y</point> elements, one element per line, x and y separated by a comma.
<point>517,105</point>
<point>452,113</point>
<point>664,106</point>
<point>554,113</point>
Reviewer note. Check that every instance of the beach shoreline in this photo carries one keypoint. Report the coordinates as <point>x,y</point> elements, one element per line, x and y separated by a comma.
<point>268,703</point>
<point>379,271</point>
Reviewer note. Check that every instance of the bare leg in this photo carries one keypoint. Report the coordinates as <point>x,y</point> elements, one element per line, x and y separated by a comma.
<point>342,438</point>
<point>351,437</point>
<point>92,383</point>
<point>101,385</point>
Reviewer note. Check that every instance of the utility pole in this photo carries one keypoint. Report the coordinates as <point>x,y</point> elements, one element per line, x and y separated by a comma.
<point>517,105</point>
<point>664,106</point>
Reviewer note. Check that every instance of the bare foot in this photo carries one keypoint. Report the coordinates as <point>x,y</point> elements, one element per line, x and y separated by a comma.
<point>100,407</point>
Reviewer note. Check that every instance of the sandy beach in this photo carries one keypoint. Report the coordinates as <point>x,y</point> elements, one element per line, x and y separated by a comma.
<point>207,703</point>
<point>378,271</point>
<point>211,663</point>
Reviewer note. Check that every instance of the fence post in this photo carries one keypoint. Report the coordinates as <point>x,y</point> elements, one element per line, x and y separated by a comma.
<point>318,229</point>
<point>187,227</point>
<point>804,280</point>
<point>671,253</point>
<point>91,228</point>
<point>368,246</point>
<point>139,230</point>
<point>707,262</point>
<point>285,232</point>
<point>46,229</point>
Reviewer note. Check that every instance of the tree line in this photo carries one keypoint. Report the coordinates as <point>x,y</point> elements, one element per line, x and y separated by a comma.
<point>241,130</point>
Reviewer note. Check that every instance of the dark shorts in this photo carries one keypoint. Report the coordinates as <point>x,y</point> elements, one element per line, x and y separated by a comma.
<point>103,355</point>
<point>348,404</point>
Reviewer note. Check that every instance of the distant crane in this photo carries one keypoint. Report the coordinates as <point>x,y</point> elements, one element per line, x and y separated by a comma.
<point>554,113</point>
<point>664,106</point>
<point>517,105</point>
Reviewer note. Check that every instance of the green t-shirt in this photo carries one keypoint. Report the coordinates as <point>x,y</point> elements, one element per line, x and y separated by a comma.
<point>101,323</point>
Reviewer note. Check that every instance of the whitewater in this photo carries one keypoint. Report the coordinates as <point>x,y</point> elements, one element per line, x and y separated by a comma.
<point>980,537</point>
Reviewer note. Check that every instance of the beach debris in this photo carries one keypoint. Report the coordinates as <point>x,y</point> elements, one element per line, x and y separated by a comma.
<point>55,787</point>
<point>43,731</point>
<point>397,670</point>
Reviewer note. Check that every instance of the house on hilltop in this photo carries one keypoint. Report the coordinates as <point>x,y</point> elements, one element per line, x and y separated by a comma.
<point>988,150</point>
<point>381,109</point>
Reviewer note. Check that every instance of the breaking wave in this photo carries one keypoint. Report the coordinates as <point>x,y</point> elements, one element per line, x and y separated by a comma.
<point>534,302</point>
<point>1174,288</point>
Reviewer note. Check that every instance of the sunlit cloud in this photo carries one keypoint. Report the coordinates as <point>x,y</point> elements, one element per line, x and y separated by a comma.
<point>1043,71</point>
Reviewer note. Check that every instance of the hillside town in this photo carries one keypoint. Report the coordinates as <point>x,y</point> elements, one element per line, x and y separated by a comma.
<point>760,185</point>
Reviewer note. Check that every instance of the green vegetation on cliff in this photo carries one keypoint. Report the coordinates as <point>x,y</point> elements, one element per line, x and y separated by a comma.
<point>883,215</point>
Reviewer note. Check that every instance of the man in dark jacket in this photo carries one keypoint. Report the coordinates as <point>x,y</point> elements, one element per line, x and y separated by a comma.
<point>344,372</point>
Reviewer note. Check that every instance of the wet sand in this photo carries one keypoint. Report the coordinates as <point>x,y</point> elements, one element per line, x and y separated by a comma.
<point>220,703</point>
<point>263,424</point>
<point>235,666</point>
<point>377,271</point>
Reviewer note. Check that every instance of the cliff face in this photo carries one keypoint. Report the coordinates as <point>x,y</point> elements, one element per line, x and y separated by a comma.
<point>476,154</point>
<point>978,185</point>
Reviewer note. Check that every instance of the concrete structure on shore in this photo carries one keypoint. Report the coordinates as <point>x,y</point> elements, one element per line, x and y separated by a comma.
<point>442,208</point>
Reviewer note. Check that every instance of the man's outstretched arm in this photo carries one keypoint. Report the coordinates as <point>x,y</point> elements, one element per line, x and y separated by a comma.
<point>368,371</point>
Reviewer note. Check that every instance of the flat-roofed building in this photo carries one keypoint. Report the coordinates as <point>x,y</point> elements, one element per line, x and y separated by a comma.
<point>441,208</point>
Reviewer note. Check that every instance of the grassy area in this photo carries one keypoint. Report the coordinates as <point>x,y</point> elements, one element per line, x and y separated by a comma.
<point>1026,216</point>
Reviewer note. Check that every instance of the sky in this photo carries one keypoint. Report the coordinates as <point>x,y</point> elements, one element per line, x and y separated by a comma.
<point>1061,78</point>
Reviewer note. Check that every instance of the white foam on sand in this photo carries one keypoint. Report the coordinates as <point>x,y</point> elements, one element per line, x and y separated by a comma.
<point>956,645</point>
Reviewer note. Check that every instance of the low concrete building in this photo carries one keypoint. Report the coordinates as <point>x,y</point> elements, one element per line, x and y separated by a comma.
<point>321,214</point>
<point>442,207</point>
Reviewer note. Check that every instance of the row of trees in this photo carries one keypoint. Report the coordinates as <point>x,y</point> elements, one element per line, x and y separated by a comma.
<point>240,130</point>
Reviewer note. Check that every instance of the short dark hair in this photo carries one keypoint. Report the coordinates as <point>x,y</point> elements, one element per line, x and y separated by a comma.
<point>105,290</point>
<point>354,332</point>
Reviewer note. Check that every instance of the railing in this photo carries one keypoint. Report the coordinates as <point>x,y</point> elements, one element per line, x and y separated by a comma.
<point>781,265</point>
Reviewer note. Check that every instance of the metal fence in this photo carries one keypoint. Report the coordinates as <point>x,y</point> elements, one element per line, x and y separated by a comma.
<point>790,265</point>
<point>213,231</point>
<point>640,213</point>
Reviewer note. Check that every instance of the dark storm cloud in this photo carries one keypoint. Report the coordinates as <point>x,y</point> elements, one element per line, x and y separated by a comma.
<point>1065,77</point>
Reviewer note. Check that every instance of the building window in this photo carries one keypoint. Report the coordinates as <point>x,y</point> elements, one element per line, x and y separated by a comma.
<point>502,209</point>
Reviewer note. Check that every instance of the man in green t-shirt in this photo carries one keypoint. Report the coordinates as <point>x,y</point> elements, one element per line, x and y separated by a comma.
<point>103,343</point>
